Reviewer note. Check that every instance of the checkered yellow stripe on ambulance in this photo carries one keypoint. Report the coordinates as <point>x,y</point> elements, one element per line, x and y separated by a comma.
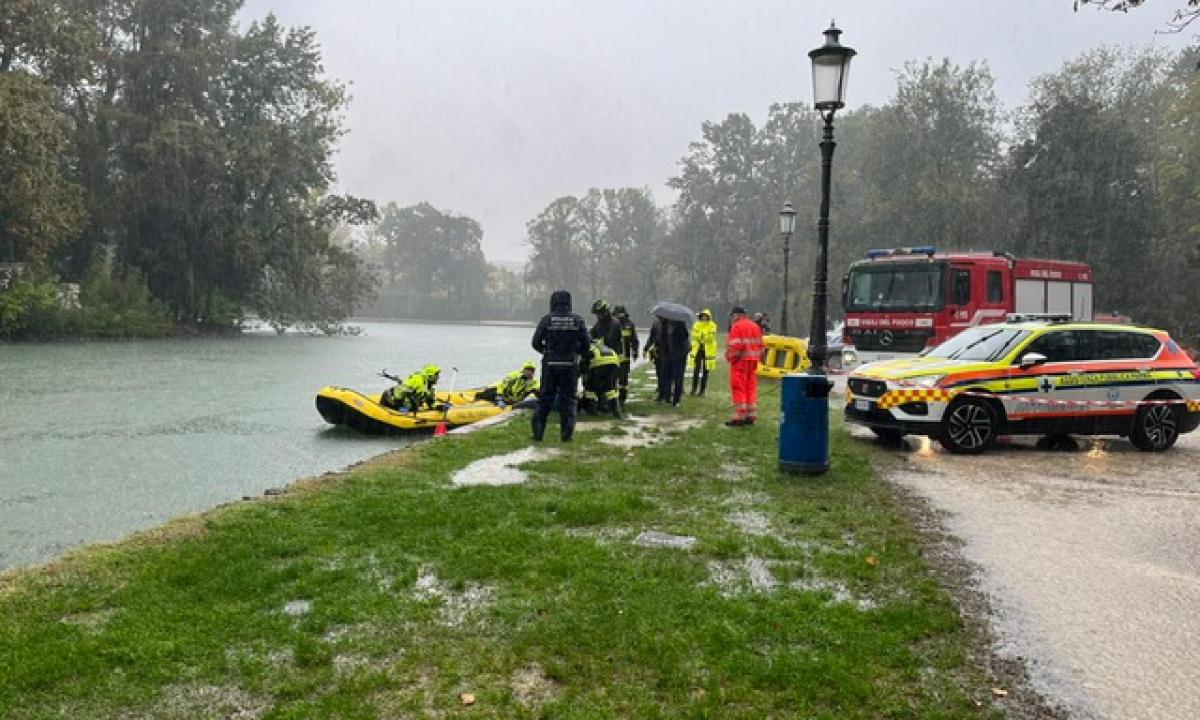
<point>892,398</point>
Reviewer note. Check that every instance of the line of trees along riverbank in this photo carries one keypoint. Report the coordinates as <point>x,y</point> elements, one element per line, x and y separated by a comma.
<point>180,168</point>
<point>152,143</point>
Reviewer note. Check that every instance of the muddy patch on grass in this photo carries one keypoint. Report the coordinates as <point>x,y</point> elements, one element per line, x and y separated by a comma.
<point>502,469</point>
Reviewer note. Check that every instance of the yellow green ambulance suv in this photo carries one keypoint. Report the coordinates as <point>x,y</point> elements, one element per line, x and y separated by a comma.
<point>1041,376</point>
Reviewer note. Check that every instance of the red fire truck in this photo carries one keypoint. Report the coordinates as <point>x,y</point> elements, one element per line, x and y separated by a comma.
<point>900,301</point>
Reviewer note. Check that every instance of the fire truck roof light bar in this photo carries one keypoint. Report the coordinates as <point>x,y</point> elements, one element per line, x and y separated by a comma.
<point>893,252</point>
<point>1039,317</point>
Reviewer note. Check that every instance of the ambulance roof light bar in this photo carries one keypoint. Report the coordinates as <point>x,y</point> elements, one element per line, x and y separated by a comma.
<point>896,252</point>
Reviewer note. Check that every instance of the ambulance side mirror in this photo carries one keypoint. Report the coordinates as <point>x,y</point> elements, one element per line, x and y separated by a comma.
<point>1029,360</point>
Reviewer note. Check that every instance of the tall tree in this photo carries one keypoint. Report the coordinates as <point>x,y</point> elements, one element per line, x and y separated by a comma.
<point>1083,170</point>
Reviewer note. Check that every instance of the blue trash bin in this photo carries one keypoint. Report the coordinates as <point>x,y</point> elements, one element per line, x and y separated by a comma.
<point>804,424</point>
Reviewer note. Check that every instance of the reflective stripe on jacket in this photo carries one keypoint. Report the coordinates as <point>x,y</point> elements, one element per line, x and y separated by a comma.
<point>744,343</point>
<point>704,335</point>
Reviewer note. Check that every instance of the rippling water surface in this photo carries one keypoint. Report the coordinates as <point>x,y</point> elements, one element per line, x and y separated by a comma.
<point>100,439</point>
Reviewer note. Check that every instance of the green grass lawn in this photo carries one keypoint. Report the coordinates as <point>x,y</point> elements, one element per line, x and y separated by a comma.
<point>391,592</point>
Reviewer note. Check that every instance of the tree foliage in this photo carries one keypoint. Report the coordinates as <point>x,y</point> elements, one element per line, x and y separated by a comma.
<point>200,152</point>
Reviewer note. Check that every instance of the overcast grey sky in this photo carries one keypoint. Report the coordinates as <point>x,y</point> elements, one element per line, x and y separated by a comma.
<point>493,109</point>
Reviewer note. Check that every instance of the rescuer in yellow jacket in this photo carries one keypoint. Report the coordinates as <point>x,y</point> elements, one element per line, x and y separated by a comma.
<point>601,370</point>
<point>417,392</point>
<point>704,350</point>
<point>514,389</point>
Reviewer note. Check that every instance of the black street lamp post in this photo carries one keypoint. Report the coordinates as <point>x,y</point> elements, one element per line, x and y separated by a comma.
<point>787,226</point>
<point>831,66</point>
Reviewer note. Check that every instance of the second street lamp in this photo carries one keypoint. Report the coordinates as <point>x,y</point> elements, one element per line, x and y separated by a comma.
<point>831,67</point>
<point>787,226</point>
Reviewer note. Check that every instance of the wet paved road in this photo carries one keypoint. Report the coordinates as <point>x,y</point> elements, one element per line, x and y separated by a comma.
<point>1091,559</point>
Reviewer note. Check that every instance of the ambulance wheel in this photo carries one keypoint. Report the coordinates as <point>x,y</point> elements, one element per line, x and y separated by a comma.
<point>888,435</point>
<point>1155,428</point>
<point>969,427</point>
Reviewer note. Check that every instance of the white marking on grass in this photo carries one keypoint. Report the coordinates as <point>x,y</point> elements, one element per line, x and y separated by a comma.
<point>501,469</point>
<point>296,608</point>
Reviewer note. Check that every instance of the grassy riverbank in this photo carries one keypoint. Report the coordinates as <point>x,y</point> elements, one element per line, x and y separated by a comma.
<point>390,591</point>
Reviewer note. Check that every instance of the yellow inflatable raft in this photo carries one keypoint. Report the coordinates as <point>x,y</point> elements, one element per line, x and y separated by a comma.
<point>343,406</point>
<point>784,355</point>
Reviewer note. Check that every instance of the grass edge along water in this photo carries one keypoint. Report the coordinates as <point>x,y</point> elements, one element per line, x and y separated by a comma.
<point>387,590</point>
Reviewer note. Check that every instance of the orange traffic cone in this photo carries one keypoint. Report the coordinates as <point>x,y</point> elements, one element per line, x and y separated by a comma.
<point>440,430</point>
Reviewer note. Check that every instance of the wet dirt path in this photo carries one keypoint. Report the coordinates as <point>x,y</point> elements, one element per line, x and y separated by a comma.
<point>1091,561</point>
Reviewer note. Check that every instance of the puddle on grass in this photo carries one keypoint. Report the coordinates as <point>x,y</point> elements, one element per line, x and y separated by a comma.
<point>502,469</point>
<point>601,535</point>
<point>647,431</point>
<point>456,606</point>
<point>192,701</point>
<point>752,574</point>
<point>532,687</point>
<point>653,538</point>
<point>750,522</point>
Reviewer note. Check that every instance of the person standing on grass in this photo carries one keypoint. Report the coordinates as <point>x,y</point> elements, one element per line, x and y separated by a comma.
<point>673,346</point>
<point>704,350</point>
<point>561,338</point>
<point>742,351</point>
<point>630,344</point>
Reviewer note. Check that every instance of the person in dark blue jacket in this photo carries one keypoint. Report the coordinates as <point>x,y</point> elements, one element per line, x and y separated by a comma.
<point>561,338</point>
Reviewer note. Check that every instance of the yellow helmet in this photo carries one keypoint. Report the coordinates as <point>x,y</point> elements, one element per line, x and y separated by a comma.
<point>529,365</point>
<point>431,370</point>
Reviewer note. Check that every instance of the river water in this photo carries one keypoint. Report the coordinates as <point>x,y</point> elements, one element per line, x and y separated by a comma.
<point>100,439</point>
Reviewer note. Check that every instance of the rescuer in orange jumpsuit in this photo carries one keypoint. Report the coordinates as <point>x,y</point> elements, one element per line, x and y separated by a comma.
<point>742,351</point>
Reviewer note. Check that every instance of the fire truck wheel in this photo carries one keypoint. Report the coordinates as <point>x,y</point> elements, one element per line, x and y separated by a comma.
<point>888,435</point>
<point>1155,428</point>
<point>968,427</point>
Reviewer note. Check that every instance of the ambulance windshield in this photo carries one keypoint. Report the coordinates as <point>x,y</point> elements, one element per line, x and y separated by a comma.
<point>892,286</point>
<point>987,344</point>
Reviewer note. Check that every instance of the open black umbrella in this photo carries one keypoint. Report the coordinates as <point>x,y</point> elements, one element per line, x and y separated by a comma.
<point>674,311</point>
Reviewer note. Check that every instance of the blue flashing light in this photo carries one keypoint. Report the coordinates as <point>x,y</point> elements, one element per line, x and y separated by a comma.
<point>925,250</point>
<point>876,254</point>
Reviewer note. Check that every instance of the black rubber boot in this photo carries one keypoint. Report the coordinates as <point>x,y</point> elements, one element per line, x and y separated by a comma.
<point>539,426</point>
<point>703,384</point>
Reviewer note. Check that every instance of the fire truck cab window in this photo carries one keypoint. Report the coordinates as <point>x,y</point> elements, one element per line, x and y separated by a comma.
<point>896,286</point>
<point>961,291</point>
<point>995,286</point>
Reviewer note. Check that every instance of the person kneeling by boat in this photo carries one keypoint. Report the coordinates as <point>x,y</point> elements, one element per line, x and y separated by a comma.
<point>416,393</point>
<point>601,376</point>
<point>514,389</point>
